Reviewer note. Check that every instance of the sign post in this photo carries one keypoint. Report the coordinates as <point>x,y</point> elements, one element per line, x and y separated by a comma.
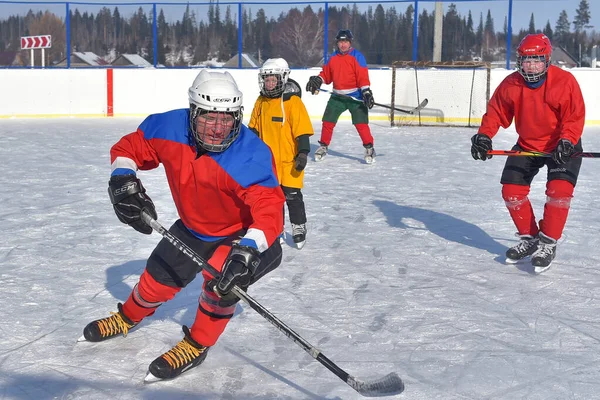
<point>36,42</point>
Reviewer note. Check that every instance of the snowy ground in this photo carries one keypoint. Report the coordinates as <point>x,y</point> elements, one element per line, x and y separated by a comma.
<point>403,271</point>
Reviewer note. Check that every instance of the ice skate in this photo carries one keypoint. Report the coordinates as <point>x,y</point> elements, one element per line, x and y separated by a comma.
<point>186,355</point>
<point>321,152</point>
<point>369,154</point>
<point>525,248</point>
<point>108,327</point>
<point>299,235</point>
<point>545,253</point>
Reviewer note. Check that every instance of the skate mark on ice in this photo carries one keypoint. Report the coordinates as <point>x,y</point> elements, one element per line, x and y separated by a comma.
<point>377,253</point>
<point>297,280</point>
<point>359,291</point>
<point>378,323</point>
<point>234,384</point>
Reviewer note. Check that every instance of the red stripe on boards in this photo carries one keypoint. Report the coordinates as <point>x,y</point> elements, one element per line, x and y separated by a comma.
<point>109,92</point>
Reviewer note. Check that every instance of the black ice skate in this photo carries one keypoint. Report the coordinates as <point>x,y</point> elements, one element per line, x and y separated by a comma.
<point>545,253</point>
<point>108,327</point>
<point>369,154</point>
<point>321,152</point>
<point>185,355</point>
<point>526,247</point>
<point>299,235</point>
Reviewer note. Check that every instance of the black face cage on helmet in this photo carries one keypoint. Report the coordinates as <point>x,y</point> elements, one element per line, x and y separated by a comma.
<point>200,137</point>
<point>532,77</point>
<point>277,91</point>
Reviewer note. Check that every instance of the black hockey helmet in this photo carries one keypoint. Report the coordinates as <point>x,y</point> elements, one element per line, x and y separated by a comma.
<point>344,34</point>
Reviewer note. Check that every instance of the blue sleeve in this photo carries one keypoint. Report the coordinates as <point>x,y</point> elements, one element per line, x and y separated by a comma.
<point>171,125</point>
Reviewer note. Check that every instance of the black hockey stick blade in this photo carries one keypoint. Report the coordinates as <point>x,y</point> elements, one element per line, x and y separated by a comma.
<point>389,385</point>
<point>421,106</point>
<point>418,108</point>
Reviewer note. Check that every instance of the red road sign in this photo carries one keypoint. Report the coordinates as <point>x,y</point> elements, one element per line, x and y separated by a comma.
<point>36,42</point>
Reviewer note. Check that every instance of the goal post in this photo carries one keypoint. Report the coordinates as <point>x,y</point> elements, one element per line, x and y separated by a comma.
<point>457,91</point>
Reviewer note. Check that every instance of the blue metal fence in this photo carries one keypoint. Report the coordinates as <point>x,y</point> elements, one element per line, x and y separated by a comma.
<point>242,7</point>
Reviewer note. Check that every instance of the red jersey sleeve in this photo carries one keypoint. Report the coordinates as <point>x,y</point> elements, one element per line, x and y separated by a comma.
<point>133,151</point>
<point>326,74</point>
<point>572,111</point>
<point>499,112</point>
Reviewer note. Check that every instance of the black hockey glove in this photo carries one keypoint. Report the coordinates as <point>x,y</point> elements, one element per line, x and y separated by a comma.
<point>480,145</point>
<point>239,268</point>
<point>314,84</point>
<point>300,161</point>
<point>368,98</point>
<point>563,152</point>
<point>129,198</point>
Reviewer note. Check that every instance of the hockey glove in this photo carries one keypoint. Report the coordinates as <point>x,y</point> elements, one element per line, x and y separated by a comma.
<point>563,152</point>
<point>367,96</point>
<point>239,268</point>
<point>129,198</point>
<point>300,161</point>
<point>314,84</point>
<point>480,145</point>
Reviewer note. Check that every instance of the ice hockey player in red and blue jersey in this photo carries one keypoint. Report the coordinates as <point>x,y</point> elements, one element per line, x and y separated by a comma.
<point>347,70</point>
<point>224,184</point>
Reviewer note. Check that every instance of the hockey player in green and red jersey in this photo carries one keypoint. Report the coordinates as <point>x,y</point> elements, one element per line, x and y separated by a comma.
<point>347,70</point>
<point>549,114</point>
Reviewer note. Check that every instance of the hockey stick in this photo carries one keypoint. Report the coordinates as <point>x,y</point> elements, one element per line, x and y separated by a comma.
<point>538,154</point>
<point>406,111</point>
<point>388,385</point>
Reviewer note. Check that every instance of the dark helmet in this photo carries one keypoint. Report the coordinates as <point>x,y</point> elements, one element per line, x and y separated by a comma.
<point>344,34</point>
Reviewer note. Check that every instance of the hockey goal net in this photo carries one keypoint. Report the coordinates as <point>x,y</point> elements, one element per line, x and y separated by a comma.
<point>457,92</point>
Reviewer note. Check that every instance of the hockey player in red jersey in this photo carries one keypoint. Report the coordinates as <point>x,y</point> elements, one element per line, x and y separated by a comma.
<point>224,184</point>
<point>548,111</point>
<point>347,70</point>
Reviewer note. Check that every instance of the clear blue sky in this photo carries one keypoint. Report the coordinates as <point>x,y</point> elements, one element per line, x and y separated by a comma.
<point>543,10</point>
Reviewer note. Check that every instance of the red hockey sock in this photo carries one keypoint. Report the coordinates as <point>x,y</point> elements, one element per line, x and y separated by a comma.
<point>146,296</point>
<point>212,317</point>
<point>519,208</point>
<point>559,194</point>
<point>327,132</point>
<point>213,313</point>
<point>365,133</point>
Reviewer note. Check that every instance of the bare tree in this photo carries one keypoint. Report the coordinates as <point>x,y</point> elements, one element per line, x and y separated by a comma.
<point>298,37</point>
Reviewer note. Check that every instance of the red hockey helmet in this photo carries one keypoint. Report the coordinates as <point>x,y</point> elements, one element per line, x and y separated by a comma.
<point>533,48</point>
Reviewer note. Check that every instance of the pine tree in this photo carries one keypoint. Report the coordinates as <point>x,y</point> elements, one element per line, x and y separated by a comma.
<point>582,16</point>
<point>531,24</point>
<point>561,30</point>
<point>548,31</point>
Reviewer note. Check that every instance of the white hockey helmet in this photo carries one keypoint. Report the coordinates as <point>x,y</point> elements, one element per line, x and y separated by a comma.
<point>215,92</point>
<point>277,67</point>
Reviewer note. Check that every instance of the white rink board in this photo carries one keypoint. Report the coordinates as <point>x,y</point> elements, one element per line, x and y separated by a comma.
<point>139,92</point>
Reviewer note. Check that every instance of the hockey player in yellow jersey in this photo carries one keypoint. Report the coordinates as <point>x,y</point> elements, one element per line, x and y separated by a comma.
<point>280,119</point>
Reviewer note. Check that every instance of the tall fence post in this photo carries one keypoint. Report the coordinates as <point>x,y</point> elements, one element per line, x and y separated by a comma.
<point>240,37</point>
<point>155,34</point>
<point>415,52</point>
<point>68,34</point>
<point>509,34</point>
<point>326,34</point>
